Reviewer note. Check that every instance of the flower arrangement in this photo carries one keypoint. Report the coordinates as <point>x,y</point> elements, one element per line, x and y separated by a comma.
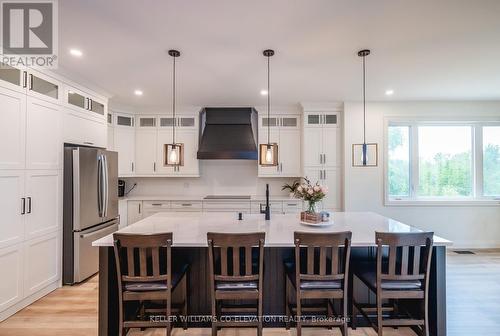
<point>311,193</point>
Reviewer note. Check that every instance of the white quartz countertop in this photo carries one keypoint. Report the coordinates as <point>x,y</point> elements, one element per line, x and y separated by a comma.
<point>201,198</point>
<point>190,229</point>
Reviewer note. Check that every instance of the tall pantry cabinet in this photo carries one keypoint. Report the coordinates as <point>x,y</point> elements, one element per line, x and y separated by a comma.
<point>31,152</point>
<point>322,152</point>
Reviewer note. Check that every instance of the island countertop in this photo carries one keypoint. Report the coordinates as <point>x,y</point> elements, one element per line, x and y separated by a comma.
<point>190,229</point>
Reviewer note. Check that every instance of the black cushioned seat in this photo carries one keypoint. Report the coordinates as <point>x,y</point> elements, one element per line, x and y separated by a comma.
<point>370,279</point>
<point>178,272</point>
<point>232,285</point>
<point>310,284</point>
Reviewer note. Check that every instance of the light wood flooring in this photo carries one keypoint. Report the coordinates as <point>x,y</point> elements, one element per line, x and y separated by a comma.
<point>473,292</point>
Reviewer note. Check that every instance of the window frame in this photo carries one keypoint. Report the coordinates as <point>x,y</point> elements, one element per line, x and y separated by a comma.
<point>477,197</point>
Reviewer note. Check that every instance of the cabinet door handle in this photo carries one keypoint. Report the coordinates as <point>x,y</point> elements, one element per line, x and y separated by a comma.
<point>281,166</point>
<point>90,104</point>
<point>156,204</point>
<point>186,204</point>
<point>154,166</point>
<point>132,166</point>
<point>25,79</point>
<point>324,174</point>
<point>31,82</point>
<point>139,207</point>
<point>29,205</point>
<point>23,211</point>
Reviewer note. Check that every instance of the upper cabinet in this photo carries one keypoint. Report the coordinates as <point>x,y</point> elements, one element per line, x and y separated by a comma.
<point>124,142</point>
<point>285,131</point>
<point>84,102</point>
<point>323,119</point>
<point>322,140</point>
<point>31,82</point>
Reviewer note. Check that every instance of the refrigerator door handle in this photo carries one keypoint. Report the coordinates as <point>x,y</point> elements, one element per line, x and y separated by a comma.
<point>106,185</point>
<point>100,183</point>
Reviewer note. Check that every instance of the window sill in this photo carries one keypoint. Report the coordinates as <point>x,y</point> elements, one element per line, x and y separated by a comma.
<point>443,203</point>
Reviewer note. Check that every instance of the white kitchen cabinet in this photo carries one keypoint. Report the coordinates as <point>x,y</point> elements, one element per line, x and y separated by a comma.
<point>12,128</point>
<point>12,207</point>
<point>42,262</point>
<point>134,212</point>
<point>331,178</point>
<point>110,138</point>
<point>85,103</point>
<point>42,86</point>
<point>12,288</point>
<point>164,137</point>
<point>292,206</point>
<point>285,131</point>
<point>82,130</point>
<point>145,152</point>
<point>123,213</point>
<point>191,166</point>
<point>43,202</point>
<point>12,78</point>
<point>43,135</point>
<point>186,206</point>
<point>124,143</point>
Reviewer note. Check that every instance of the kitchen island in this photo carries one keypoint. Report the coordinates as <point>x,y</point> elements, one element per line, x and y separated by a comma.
<point>189,239</point>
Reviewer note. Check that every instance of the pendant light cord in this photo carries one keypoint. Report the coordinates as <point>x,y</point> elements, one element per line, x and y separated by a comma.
<point>173,105</point>
<point>268,103</point>
<point>364,101</point>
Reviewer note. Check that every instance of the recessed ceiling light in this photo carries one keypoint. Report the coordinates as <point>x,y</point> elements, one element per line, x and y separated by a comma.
<point>76,52</point>
<point>389,92</point>
<point>263,92</point>
<point>138,92</point>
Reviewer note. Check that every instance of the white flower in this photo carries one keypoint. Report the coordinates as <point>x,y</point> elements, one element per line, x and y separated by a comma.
<point>299,189</point>
<point>324,189</point>
<point>316,188</point>
<point>310,191</point>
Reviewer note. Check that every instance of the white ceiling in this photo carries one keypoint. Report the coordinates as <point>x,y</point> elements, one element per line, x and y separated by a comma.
<point>426,49</point>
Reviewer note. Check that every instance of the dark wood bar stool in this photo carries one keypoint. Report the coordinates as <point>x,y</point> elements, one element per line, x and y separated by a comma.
<point>236,274</point>
<point>402,274</point>
<point>320,271</point>
<point>146,275</point>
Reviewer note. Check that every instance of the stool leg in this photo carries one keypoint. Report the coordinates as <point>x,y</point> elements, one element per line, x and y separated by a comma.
<point>185,306</point>
<point>329,312</point>
<point>379,316</point>
<point>287,302</point>
<point>299,315</point>
<point>426,316</point>
<point>344,325</point>
<point>351,296</point>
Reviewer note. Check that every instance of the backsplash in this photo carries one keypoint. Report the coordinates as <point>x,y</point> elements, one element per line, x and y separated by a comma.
<point>225,177</point>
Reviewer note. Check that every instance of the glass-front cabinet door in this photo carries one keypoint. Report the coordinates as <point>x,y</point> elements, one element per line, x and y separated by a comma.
<point>11,76</point>
<point>43,85</point>
<point>76,99</point>
<point>96,106</point>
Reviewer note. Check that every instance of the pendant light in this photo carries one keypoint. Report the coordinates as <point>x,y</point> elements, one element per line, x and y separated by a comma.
<point>362,155</point>
<point>174,152</point>
<point>268,152</point>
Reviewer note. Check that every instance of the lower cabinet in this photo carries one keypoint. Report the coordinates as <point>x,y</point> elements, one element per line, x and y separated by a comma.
<point>42,264</point>
<point>11,261</point>
<point>134,211</point>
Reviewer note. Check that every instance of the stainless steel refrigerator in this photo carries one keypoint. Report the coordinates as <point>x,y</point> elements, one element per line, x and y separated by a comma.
<point>90,208</point>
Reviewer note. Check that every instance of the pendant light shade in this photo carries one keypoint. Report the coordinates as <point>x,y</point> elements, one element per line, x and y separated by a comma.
<point>268,152</point>
<point>173,152</point>
<point>365,154</point>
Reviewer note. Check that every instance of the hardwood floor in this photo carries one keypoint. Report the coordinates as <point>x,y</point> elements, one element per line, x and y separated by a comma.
<point>473,292</point>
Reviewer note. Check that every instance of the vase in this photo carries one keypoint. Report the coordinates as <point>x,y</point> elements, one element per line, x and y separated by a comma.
<point>311,208</point>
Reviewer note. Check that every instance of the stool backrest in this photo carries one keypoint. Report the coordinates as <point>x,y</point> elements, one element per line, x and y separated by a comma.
<point>327,256</point>
<point>409,255</point>
<point>231,257</point>
<point>143,258</point>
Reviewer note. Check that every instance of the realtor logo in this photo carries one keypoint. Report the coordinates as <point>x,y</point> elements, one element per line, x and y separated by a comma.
<point>29,33</point>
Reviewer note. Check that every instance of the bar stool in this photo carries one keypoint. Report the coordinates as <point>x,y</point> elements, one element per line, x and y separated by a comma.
<point>403,274</point>
<point>145,274</point>
<point>236,274</point>
<point>320,271</point>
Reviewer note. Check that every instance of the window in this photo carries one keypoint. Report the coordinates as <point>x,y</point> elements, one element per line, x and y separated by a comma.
<point>432,161</point>
<point>491,161</point>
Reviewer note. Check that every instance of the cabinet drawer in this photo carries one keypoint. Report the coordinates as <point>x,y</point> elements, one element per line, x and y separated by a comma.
<point>292,206</point>
<point>186,206</point>
<point>276,206</point>
<point>159,205</point>
<point>226,206</point>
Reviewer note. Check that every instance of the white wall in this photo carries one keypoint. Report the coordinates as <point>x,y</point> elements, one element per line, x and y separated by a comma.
<point>224,177</point>
<point>471,226</point>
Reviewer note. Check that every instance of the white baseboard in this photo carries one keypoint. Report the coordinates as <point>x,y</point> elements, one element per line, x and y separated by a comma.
<point>28,300</point>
